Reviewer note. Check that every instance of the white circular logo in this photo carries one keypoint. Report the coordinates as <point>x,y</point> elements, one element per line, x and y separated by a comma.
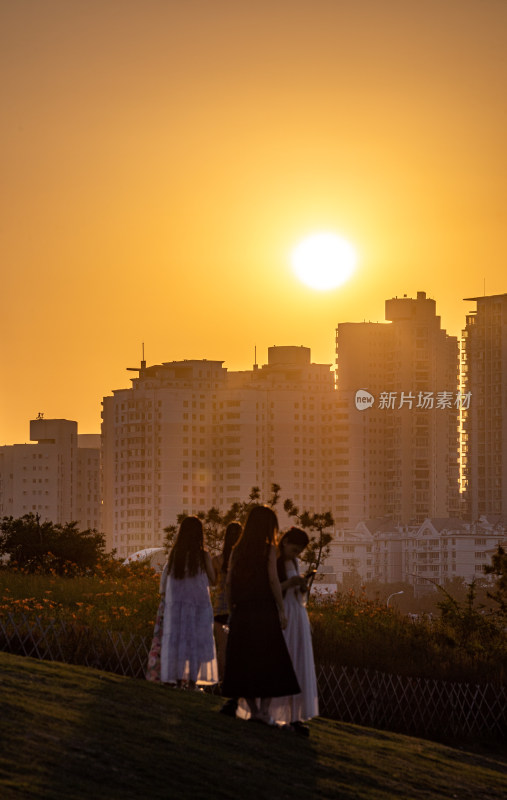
<point>364,400</point>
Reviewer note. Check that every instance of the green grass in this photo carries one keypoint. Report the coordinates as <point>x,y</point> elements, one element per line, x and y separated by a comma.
<point>72,732</point>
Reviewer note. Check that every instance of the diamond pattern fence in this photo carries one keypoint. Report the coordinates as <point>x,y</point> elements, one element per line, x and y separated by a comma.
<point>415,706</point>
<point>111,651</point>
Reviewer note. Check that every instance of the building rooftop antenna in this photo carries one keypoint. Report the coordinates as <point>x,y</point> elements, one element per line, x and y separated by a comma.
<point>143,363</point>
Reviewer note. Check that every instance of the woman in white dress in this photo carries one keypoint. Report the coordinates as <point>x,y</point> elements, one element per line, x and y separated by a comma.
<point>296,709</point>
<point>187,652</point>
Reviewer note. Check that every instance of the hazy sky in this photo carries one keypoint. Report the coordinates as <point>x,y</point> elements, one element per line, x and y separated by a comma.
<point>159,160</point>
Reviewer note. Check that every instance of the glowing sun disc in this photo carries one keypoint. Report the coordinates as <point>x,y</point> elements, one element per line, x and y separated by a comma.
<point>324,260</point>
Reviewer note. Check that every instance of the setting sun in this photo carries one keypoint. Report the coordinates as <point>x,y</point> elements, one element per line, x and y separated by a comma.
<point>324,261</point>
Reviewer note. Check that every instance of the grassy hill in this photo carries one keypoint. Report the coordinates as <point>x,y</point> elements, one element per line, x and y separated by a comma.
<point>72,732</point>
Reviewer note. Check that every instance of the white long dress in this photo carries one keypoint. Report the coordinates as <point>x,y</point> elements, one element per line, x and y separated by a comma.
<point>298,637</point>
<point>187,649</point>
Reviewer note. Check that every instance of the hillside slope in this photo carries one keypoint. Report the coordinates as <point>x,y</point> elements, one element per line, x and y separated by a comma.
<point>72,732</point>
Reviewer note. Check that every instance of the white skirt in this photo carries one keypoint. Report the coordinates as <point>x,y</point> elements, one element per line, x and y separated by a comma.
<point>187,649</point>
<point>298,636</point>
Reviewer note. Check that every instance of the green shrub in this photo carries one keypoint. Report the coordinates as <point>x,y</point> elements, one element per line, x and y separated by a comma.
<point>350,630</point>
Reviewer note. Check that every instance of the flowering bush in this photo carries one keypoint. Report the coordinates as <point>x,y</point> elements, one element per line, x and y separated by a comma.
<point>126,600</point>
<point>348,629</point>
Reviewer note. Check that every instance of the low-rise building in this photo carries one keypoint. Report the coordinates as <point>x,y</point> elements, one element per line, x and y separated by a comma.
<point>56,477</point>
<point>424,555</point>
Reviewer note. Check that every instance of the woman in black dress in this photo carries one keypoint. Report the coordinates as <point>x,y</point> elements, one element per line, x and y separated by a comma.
<point>257,662</point>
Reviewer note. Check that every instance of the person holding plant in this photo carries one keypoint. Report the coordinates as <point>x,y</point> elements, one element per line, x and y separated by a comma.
<point>257,663</point>
<point>187,649</point>
<point>296,709</point>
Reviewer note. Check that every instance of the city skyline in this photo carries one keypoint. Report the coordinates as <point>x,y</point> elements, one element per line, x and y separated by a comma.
<point>379,400</point>
<point>160,163</point>
<point>191,435</point>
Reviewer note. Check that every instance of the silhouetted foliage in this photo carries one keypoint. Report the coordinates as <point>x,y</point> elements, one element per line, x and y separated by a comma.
<point>315,525</point>
<point>498,568</point>
<point>38,546</point>
<point>467,627</point>
<point>215,523</point>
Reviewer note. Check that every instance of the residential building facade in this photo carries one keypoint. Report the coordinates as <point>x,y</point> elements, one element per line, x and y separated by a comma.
<point>423,555</point>
<point>484,423</point>
<point>189,436</point>
<point>402,444</point>
<point>57,477</point>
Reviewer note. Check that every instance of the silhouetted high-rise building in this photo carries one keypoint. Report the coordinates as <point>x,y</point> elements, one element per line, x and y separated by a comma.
<point>189,435</point>
<point>484,376</point>
<point>398,386</point>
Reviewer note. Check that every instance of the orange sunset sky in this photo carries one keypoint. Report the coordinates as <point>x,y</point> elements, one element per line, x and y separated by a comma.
<point>159,161</point>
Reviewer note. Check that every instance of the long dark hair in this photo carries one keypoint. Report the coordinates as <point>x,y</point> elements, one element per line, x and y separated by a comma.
<point>292,536</point>
<point>232,534</point>
<point>251,550</point>
<point>187,555</point>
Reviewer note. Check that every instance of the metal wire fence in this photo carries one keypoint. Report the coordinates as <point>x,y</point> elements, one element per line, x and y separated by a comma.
<point>112,651</point>
<point>414,706</point>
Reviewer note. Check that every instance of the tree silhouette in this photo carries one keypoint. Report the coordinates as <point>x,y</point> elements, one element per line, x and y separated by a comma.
<point>498,568</point>
<point>215,523</point>
<point>315,524</point>
<point>44,546</point>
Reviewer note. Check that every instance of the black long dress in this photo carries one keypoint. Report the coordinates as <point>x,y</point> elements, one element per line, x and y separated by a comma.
<point>257,662</point>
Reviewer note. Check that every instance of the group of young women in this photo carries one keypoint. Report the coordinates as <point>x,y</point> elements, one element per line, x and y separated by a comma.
<point>260,624</point>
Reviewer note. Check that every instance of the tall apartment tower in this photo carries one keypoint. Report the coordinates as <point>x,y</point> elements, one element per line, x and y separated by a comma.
<point>360,460</point>
<point>88,511</point>
<point>189,435</point>
<point>484,375</point>
<point>289,403</point>
<point>56,477</point>
<point>402,429</point>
